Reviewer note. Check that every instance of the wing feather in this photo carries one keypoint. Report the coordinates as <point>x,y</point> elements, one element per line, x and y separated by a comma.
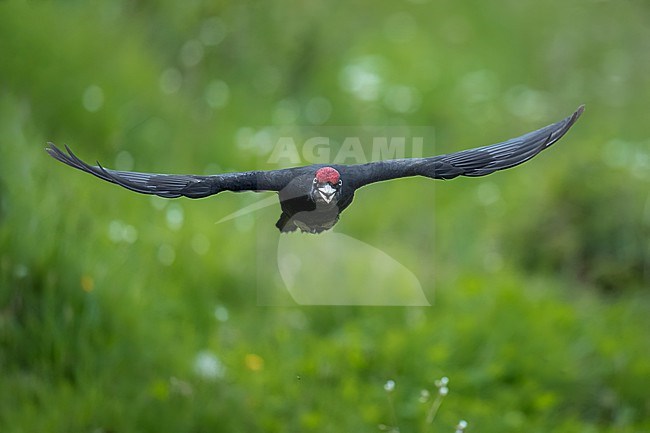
<point>479,161</point>
<point>177,185</point>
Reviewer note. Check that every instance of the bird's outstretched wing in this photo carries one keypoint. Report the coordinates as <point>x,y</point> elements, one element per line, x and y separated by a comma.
<point>471,162</point>
<point>177,185</point>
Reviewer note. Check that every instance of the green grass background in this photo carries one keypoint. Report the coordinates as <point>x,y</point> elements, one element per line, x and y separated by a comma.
<point>110,302</point>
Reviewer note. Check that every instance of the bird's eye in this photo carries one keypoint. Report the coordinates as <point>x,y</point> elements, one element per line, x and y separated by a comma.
<point>340,182</point>
<point>315,181</point>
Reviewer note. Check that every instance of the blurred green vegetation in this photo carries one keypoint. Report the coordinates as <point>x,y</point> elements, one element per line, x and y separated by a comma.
<point>119,312</point>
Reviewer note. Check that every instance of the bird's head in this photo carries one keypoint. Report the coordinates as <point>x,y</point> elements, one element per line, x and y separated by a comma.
<point>326,186</point>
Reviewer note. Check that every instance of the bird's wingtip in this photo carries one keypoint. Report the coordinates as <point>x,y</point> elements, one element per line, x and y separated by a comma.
<point>52,150</point>
<point>579,111</point>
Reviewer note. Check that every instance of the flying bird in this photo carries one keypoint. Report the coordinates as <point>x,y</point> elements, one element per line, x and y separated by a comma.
<point>313,197</point>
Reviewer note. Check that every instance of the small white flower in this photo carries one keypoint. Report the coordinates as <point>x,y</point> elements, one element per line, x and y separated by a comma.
<point>208,365</point>
<point>389,386</point>
<point>424,396</point>
<point>443,391</point>
<point>462,425</point>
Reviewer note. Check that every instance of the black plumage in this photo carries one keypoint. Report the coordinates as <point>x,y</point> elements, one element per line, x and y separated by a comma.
<point>312,197</point>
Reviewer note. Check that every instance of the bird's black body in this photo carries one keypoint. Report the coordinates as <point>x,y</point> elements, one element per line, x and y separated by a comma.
<point>300,211</point>
<point>313,197</point>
